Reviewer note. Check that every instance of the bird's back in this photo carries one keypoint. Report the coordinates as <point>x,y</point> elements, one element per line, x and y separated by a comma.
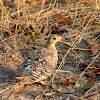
<point>38,65</point>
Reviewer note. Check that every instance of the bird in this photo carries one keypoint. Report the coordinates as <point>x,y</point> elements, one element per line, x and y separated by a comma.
<point>39,64</point>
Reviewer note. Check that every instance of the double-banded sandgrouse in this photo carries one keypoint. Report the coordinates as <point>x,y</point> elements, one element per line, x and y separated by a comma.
<point>39,64</point>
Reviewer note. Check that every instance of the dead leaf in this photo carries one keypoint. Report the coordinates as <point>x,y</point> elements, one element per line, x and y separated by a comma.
<point>36,3</point>
<point>91,1</point>
<point>57,30</point>
<point>19,1</point>
<point>95,49</point>
<point>54,29</point>
<point>91,74</point>
<point>90,83</point>
<point>67,82</point>
<point>65,90</point>
<point>97,70</point>
<point>83,65</point>
<point>39,3</point>
<point>65,20</point>
<point>71,1</point>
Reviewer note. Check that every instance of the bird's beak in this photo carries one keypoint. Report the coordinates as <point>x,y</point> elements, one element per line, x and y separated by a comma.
<point>61,38</point>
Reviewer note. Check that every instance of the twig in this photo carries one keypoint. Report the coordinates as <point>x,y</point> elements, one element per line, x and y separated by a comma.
<point>87,95</point>
<point>85,71</point>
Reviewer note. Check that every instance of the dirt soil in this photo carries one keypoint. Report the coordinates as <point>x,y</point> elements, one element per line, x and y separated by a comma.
<point>26,25</point>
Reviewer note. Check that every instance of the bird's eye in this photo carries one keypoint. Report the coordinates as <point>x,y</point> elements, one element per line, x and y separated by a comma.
<point>54,38</point>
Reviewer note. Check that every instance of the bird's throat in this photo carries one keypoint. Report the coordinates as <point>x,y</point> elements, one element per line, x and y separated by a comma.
<point>52,48</point>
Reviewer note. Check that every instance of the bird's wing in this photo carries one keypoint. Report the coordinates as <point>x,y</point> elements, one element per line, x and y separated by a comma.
<point>37,65</point>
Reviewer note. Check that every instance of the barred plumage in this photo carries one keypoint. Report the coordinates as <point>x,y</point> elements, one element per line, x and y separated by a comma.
<point>39,64</point>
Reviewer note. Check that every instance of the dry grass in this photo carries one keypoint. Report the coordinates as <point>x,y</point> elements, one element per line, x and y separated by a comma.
<point>23,26</point>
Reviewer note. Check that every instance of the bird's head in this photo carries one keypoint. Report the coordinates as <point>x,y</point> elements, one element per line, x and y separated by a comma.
<point>53,39</point>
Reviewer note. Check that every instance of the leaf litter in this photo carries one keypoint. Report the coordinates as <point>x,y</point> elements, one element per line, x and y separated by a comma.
<point>25,25</point>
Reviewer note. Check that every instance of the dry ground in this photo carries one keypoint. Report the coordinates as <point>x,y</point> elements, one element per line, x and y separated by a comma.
<point>26,26</point>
